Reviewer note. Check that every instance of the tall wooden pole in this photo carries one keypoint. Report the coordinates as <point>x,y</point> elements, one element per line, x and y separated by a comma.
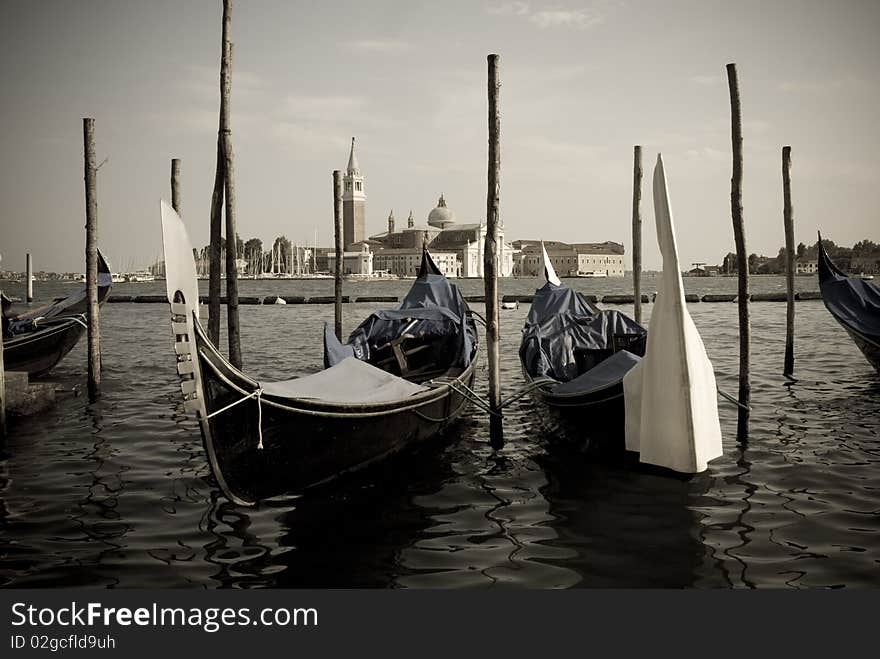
<point>637,233</point>
<point>788,219</point>
<point>2,392</point>
<point>94,331</point>
<point>175,185</point>
<point>337,233</point>
<point>215,248</point>
<point>490,252</point>
<point>742,258</point>
<point>29,277</point>
<point>232,320</point>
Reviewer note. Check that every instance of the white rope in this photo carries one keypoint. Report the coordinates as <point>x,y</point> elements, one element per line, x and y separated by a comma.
<point>257,393</point>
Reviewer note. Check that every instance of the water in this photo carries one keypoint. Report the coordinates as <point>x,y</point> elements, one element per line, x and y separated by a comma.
<point>119,494</point>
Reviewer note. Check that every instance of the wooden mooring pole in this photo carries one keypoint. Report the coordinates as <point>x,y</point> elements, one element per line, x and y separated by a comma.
<point>742,258</point>
<point>175,185</point>
<point>637,233</point>
<point>232,320</point>
<point>2,396</point>
<point>215,249</point>
<point>29,277</point>
<point>788,219</point>
<point>94,330</point>
<point>337,234</point>
<point>490,254</point>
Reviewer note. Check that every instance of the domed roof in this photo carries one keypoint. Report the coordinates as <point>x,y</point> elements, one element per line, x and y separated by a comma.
<point>441,216</point>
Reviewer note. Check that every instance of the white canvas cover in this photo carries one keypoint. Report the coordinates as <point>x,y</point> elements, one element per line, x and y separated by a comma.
<point>671,396</point>
<point>350,381</point>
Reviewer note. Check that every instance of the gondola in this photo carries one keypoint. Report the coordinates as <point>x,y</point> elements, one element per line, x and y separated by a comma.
<point>616,387</point>
<point>854,303</point>
<point>400,379</point>
<point>35,341</point>
<point>574,357</point>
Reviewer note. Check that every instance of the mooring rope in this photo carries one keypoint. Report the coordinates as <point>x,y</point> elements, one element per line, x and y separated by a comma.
<point>733,400</point>
<point>257,393</point>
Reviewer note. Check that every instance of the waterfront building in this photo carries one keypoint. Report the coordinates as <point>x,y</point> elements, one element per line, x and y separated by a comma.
<point>353,202</point>
<point>458,247</point>
<point>570,259</point>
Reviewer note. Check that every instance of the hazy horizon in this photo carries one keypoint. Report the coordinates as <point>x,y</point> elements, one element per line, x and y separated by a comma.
<point>582,82</point>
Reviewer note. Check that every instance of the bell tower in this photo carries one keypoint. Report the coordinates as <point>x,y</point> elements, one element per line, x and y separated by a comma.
<point>353,199</point>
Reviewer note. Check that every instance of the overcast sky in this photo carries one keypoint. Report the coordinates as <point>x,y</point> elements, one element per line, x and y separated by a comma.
<point>582,82</point>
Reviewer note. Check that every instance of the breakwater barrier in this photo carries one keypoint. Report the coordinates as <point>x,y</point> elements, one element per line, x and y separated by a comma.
<point>691,298</point>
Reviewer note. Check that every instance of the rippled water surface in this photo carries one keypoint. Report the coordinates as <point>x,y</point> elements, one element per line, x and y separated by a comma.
<point>119,493</point>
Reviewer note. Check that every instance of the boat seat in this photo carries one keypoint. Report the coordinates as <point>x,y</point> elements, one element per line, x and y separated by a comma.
<point>609,372</point>
<point>351,381</point>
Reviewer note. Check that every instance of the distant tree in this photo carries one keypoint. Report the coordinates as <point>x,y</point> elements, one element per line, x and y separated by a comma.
<point>801,251</point>
<point>253,252</point>
<point>753,263</point>
<point>728,265</point>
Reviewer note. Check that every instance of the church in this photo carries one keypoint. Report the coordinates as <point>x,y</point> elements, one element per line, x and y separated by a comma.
<point>456,248</point>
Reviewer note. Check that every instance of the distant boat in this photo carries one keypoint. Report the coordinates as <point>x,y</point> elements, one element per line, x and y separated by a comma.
<point>139,277</point>
<point>854,303</point>
<point>35,341</point>
<point>592,274</point>
<point>400,379</point>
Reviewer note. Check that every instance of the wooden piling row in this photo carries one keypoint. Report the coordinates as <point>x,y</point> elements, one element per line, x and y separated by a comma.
<point>742,258</point>
<point>2,398</point>
<point>29,276</point>
<point>175,185</point>
<point>337,236</point>
<point>788,221</point>
<point>94,330</point>
<point>490,252</point>
<point>637,233</point>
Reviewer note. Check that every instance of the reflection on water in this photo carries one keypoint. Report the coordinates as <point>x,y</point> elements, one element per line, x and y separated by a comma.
<point>118,494</point>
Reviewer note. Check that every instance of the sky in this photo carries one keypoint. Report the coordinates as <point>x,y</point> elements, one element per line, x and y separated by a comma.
<point>582,82</point>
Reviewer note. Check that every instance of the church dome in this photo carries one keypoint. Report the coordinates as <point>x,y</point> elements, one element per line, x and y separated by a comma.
<point>441,217</point>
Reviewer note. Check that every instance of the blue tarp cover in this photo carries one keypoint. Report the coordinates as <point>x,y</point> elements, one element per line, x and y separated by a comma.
<point>438,309</point>
<point>562,322</point>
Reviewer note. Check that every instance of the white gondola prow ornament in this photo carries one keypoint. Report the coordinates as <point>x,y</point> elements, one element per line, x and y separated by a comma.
<point>547,273</point>
<point>671,396</point>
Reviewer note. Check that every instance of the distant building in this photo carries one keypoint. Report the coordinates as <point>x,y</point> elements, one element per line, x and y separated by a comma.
<point>705,271</point>
<point>353,202</point>
<point>807,266</point>
<point>867,265</point>
<point>570,260</point>
<point>457,249</point>
<point>354,262</point>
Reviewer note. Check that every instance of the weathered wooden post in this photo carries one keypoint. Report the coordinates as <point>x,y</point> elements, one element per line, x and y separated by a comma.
<point>29,276</point>
<point>637,233</point>
<point>2,397</point>
<point>337,232</point>
<point>490,254</point>
<point>788,219</point>
<point>175,185</point>
<point>232,320</point>
<point>94,332</point>
<point>742,258</point>
<point>215,248</point>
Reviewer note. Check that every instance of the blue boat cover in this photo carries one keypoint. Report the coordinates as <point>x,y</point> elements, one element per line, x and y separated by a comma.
<point>607,373</point>
<point>562,323</point>
<point>853,301</point>
<point>433,310</point>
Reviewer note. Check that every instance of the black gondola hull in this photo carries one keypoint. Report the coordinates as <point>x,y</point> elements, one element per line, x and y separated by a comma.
<point>853,303</point>
<point>39,351</point>
<point>592,422</point>
<point>309,443</point>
